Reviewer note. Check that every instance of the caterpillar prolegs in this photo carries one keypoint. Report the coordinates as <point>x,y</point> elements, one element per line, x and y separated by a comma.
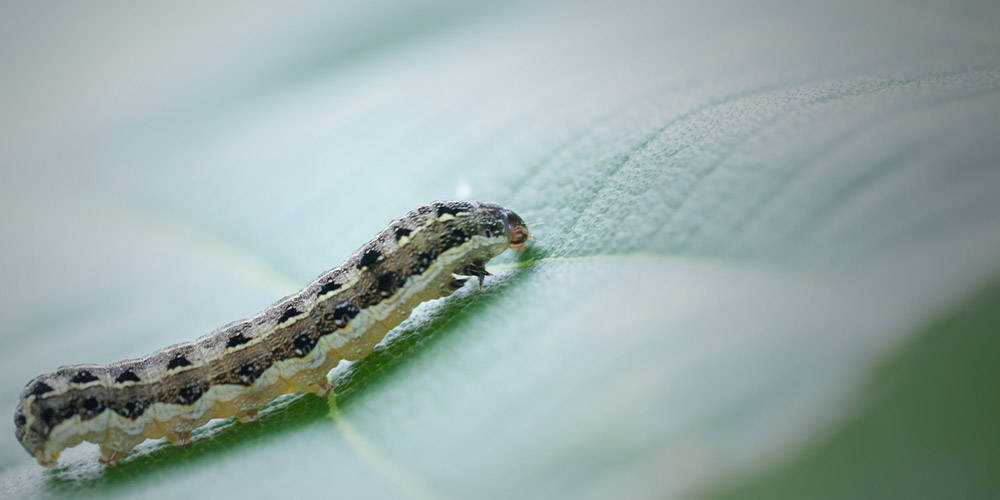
<point>288,347</point>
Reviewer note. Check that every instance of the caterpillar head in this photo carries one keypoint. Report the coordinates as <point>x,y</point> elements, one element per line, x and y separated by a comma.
<point>497,220</point>
<point>518,230</point>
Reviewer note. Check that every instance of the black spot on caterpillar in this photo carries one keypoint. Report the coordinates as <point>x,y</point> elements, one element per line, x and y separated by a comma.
<point>344,313</point>
<point>252,369</point>
<point>40,389</point>
<point>289,313</point>
<point>303,344</point>
<point>190,392</point>
<point>452,209</point>
<point>82,377</point>
<point>90,408</point>
<point>402,232</point>
<point>177,362</point>
<point>289,347</point>
<point>330,286</point>
<point>370,257</point>
<point>127,376</point>
<point>237,340</point>
<point>388,283</point>
<point>130,407</point>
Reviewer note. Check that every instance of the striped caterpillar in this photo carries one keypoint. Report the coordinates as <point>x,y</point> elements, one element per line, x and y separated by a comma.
<point>289,347</point>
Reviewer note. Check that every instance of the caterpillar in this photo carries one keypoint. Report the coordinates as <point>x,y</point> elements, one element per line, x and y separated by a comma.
<point>289,347</point>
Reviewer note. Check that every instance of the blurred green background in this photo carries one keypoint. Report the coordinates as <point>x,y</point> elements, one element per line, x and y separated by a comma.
<point>766,267</point>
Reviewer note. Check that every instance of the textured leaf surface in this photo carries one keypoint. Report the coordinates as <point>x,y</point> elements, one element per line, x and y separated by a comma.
<point>740,211</point>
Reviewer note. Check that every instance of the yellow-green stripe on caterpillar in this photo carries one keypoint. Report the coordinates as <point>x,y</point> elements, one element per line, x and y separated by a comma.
<point>288,347</point>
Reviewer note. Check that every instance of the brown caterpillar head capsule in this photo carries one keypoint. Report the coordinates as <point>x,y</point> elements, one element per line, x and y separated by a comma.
<point>518,230</point>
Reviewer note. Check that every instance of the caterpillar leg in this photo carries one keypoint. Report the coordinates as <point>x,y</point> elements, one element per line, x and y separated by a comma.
<point>180,439</point>
<point>47,460</point>
<point>321,389</point>
<point>477,269</point>
<point>110,456</point>
<point>248,416</point>
<point>453,284</point>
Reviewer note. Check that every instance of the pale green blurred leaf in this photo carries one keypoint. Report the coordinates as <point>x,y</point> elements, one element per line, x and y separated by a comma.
<point>740,211</point>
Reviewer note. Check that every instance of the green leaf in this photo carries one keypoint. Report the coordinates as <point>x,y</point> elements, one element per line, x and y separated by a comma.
<point>930,433</point>
<point>740,211</point>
